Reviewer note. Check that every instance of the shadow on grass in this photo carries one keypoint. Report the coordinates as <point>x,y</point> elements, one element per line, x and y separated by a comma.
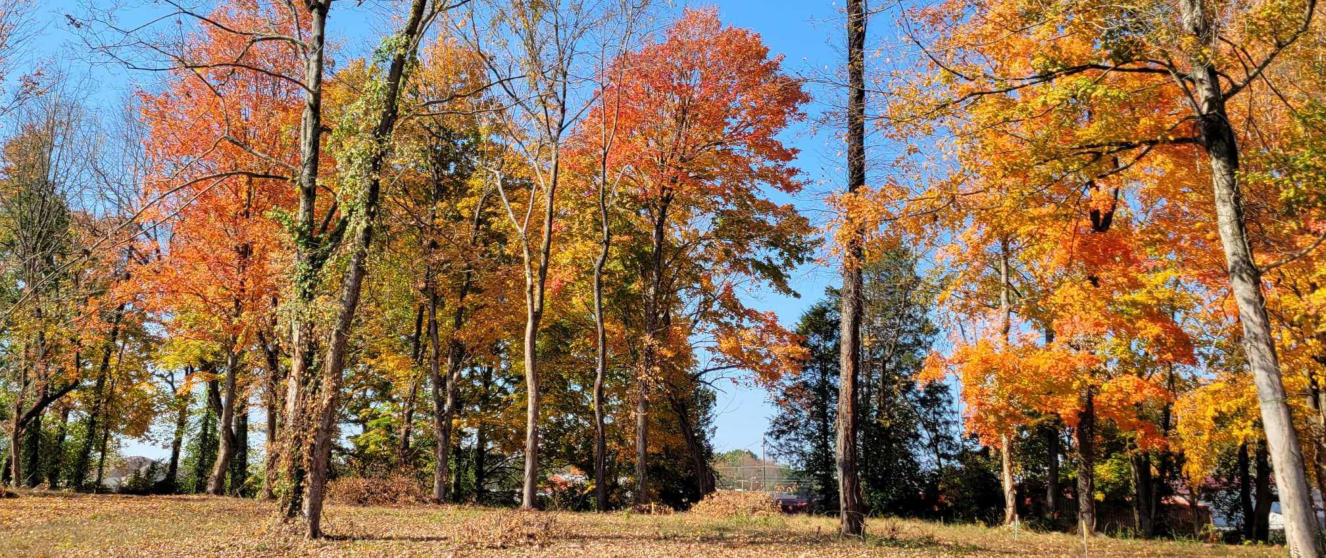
<point>390,538</point>
<point>731,536</point>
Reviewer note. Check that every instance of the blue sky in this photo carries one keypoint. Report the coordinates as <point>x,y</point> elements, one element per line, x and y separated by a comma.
<point>809,34</point>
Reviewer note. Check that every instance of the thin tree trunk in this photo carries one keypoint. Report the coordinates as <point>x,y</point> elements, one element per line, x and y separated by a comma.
<point>536,277</point>
<point>1005,448</point>
<point>84,459</point>
<point>368,206</point>
<point>455,356</point>
<point>105,440</point>
<point>654,331</point>
<point>239,464</point>
<point>1261,524</point>
<point>1006,481</point>
<point>407,419</point>
<point>172,480</point>
<point>1052,490</point>
<point>272,407</point>
<point>1140,464</point>
<point>53,470</point>
<point>481,436</point>
<point>704,478</point>
<point>1217,137</point>
<point>533,314</point>
<point>435,378</point>
<point>1086,464</point>
<point>601,344</point>
<point>216,482</point>
<point>206,435</point>
<point>444,396</point>
<point>851,513</point>
<point>1245,492</point>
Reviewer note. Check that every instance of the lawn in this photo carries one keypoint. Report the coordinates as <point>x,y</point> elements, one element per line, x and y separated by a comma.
<point>39,524</point>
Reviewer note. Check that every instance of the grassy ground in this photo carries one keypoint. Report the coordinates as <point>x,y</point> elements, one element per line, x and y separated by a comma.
<point>81,525</point>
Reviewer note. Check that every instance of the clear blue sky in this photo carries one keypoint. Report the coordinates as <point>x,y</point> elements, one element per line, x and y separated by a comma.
<point>809,34</point>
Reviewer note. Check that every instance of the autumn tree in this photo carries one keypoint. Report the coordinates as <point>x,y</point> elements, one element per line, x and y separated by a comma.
<point>693,135</point>
<point>1139,92</point>
<point>531,50</point>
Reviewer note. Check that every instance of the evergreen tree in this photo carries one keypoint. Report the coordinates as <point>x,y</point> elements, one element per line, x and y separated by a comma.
<point>803,433</point>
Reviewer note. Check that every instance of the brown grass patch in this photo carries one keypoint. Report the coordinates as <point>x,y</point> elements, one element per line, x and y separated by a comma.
<point>58,524</point>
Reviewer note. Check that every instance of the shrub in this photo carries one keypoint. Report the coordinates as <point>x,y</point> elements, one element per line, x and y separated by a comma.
<point>392,490</point>
<point>738,504</point>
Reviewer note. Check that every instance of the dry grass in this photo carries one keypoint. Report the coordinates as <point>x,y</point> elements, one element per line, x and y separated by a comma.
<point>81,525</point>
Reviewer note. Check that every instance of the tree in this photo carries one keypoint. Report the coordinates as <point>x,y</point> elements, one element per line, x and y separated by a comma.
<point>850,513</point>
<point>694,146</point>
<point>804,432</point>
<point>217,281</point>
<point>363,156</point>
<point>1103,105</point>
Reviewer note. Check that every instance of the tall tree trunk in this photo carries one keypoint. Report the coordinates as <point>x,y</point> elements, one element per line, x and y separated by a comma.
<point>272,408</point>
<point>1005,448</point>
<point>1086,464</point>
<point>1006,480</point>
<point>481,436</point>
<point>239,464</point>
<point>704,478</point>
<point>308,265</point>
<point>1052,490</point>
<point>407,416</point>
<point>533,314</point>
<point>206,435</point>
<point>655,331</point>
<point>56,465</point>
<point>1261,523</point>
<point>104,445</point>
<point>1140,464</point>
<point>1217,137</point>
<point>601,343</point>
<point>438,384</point>
<point>366,213</point>
<point>851,514</point>
<point>172,480</point>
<point>1245,493</point>
<point>536,278</point>
<point>447,411</point>
<point>444,395</point>
<point>216,482</point>
<point>84,460</point>
<point>32,451</point>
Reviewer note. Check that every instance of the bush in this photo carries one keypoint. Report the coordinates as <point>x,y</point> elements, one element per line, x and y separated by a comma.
<point>392,490</point>
<point>732,503</point>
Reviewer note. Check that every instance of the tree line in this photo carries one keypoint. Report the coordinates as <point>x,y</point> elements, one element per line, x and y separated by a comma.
<point>517,238</point>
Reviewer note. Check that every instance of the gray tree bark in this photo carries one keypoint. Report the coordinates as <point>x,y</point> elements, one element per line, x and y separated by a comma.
<point>1217,137</point>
